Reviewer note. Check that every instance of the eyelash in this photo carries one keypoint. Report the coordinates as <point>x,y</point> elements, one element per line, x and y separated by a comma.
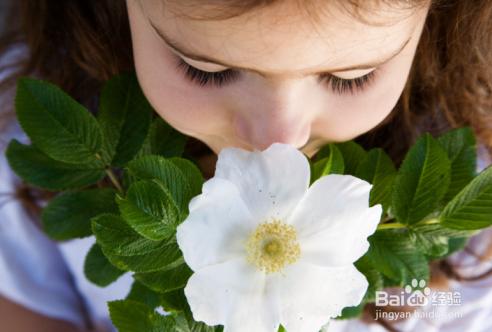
<point>339,85</point>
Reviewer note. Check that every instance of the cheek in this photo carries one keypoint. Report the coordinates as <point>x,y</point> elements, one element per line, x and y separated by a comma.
<point>188,108</point>
<point>352,116</point>
<point>181,105</point>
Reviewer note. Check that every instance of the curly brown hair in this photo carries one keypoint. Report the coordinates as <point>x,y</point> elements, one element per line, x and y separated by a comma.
<point>80,44</point>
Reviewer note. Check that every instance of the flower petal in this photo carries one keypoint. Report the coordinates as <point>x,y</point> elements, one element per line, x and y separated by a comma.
<point>271,182</point>
<point>312,294</point>
<point>217,226</point>
<point>235,295</point>
<point>333,220</point>
<point>337,246</point>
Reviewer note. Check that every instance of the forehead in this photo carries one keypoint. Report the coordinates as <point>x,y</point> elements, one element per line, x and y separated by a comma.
<point>284,38</point>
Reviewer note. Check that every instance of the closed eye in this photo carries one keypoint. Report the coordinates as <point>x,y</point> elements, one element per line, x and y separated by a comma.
<point>221,78</point>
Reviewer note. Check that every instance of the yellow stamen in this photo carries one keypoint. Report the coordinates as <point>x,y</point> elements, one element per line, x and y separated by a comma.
<point>272,246</point>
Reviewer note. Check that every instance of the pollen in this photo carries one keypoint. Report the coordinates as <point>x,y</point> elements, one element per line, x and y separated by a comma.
<point>272,246</point>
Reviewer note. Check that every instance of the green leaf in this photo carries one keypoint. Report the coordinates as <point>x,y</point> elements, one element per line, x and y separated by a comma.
<point>165,257</point>
<point>373,276</point>
<point>185,323</point>
<point>192,173</point>
<point>431,245</point>
<point>472,207</point>
<point>133,316</point>
<point>156,167</point>
<point>352,312</point>
<point>125,116</point>
<point>150,210</point>
<point>422,181</point>
<point>330,163</point>
<point>129,251</point>
<point>460,146</point>
<point>378,169</point>
<point>352,154</point>
<point>165,140</point>
<point>434,239</point>
<point>396,256</point>
<point>69,215</point>
<point>98,269</point>
<point>39,170</point>
<point>455,244</point>
<point>166,280</point>
<point>174,301</point>
<point>142,294</point>
<point>181,177</point>
<point>56,124</point>
<point>118,238</point>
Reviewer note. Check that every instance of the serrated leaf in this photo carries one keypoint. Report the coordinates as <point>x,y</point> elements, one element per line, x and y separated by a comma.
<point>352,154</point>
<point>165,140</point>
<point>69,215</point>
<point>133,316</point>
<point>432,245</point>
<point>150,210</point>
<point>331,162</point>
<point>456,243</point>
<point>377,168</point>
<point>125,116</point>
<point>98,269</point>
<point>436,241</point>
<point>39,170</point>
<point>166,280</point>
<point>143,294</point>
<point>192,173</point>
<point>56,124</point>
<point>164,257</point>
<point>460,146</point>
<point>174,301</point>
<point>156,167</point>
<point>129,251</point>
<point>421,182</point>
<point>437,229</point>
<point>352,312</point>
<point>118,238</point>
<point>396,256</point>
<point>185,323</point>
<point>472,207</point>
<point>373,276</point>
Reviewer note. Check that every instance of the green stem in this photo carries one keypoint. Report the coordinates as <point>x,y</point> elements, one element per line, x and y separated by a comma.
<point>430,221</point>
<point>391,225</point>
<point>112,176</point>
<point>114,180</point>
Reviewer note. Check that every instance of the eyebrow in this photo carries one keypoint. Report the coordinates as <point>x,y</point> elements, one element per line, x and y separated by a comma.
<point>175,45</point>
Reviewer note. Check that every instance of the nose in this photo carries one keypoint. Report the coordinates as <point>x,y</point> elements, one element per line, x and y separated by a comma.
<point>281,115</point>
<point>273,126</point>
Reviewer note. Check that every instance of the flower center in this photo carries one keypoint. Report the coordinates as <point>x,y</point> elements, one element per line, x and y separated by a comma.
<point>272,246</point>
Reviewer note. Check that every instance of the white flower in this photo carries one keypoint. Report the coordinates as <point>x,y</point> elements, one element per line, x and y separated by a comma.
<point>267,250</point>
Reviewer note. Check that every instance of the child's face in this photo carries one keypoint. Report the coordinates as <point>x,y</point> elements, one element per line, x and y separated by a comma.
<point>279,89</point>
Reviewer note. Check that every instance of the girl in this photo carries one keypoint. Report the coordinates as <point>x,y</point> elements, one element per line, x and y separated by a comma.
<point>243,73</point>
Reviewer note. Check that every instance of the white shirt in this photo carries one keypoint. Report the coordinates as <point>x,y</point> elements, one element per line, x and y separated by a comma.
<point>47,277</point>
<point>42,275</point>
<point>36,272</point>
